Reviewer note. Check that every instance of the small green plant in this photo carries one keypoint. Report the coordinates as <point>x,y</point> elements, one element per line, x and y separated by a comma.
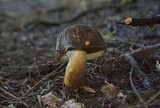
<point>157,66</point>
<point>108,35</point>
<point>11,106</point>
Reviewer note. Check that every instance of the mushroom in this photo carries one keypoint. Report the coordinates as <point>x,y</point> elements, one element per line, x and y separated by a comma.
<point>78,43</point>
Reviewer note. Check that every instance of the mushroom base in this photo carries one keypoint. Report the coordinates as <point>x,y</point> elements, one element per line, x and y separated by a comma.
<point>75,70</point>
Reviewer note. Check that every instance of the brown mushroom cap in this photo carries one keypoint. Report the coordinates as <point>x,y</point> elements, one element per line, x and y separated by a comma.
<point>79,37</point>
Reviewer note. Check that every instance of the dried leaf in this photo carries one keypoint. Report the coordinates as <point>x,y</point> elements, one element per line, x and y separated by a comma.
<point>120,101</point>
<point>72,104</point>
<point>109,90</point>
<point>51,100</point>
<point>122,98</point>
<point>39,99</point>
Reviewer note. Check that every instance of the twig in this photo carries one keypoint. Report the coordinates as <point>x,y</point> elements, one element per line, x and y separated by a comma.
<point>143,51</point>
<point>3,96</point>
<point>93,64</point>
<point>134,66</point>
<point>146,51</point>
<point>13,96</point>
<point>153,97</point>
<point>44,78</point>
<point>129,58</point>
<point>128,42</point>
<point>135,90</point>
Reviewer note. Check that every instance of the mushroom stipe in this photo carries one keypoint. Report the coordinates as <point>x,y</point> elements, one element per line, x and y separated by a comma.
<point>75,70</point>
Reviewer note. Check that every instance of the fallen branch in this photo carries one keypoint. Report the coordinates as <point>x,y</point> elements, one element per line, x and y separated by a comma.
<point>141,21</point>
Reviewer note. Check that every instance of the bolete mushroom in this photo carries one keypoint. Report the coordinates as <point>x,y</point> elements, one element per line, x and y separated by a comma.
<point>78,43</point>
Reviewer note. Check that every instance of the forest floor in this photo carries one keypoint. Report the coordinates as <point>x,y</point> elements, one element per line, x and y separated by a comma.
<point>131,64</point>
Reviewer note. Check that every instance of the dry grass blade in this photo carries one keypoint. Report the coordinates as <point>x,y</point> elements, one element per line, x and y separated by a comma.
<point>44,78</point>
<point>153,97</point>
<point>13,96</point>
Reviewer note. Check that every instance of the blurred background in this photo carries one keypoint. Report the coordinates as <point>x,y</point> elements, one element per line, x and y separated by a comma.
<point>28,24</point>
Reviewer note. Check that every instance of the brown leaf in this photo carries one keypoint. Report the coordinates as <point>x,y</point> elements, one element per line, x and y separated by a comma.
<point>109,90</point>
<point>51,100</point>
<point>72,104</point>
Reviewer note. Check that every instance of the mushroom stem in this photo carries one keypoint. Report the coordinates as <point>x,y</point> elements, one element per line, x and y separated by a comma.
<point>75,70</point>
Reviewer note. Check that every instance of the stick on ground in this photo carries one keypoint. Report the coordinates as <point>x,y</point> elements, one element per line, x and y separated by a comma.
<point>141,21</point>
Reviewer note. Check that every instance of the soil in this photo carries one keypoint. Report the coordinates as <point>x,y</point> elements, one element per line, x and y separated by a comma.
<point>28,32</point>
